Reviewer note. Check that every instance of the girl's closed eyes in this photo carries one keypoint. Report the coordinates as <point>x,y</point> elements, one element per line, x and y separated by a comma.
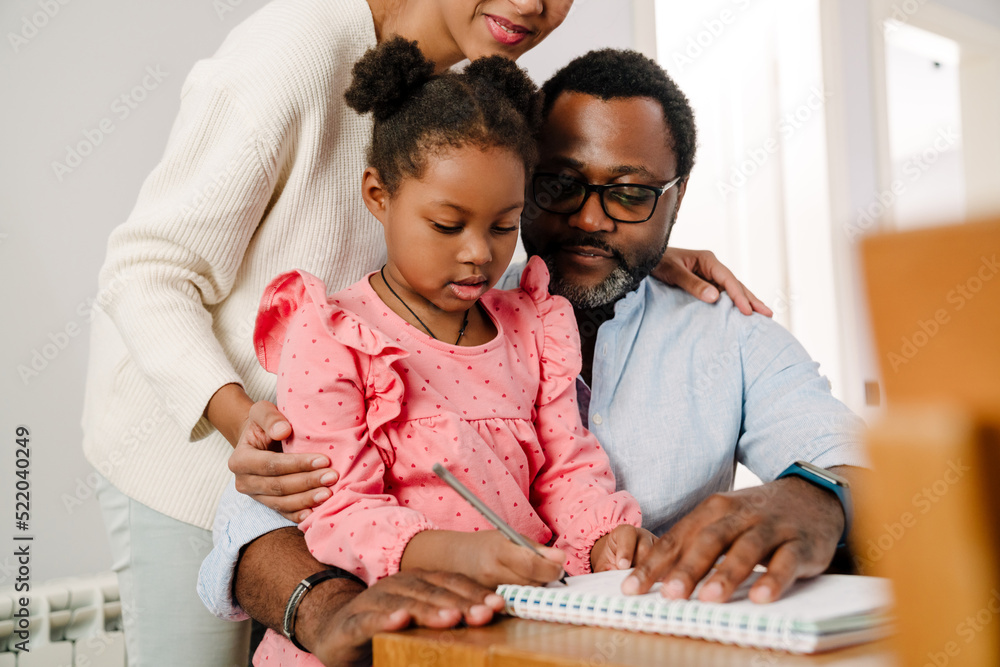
<point>455,229</point>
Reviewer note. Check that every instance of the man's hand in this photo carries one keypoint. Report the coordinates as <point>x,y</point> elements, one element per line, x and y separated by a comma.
<point>791,525</point>
<point>682,268</point>
<point>291,484</point>
<point>338,628</point>
<point>621,548</point>
<point>338,618</point>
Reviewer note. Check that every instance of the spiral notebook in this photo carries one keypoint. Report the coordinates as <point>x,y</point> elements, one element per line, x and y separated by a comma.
<point>819,614</point>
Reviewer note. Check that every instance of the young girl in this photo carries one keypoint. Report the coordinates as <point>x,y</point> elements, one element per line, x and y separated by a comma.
<point>420,362</point>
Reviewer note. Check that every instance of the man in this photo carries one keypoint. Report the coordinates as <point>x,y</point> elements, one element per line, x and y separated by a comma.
<point>676,390</point>
<point>676,386</point>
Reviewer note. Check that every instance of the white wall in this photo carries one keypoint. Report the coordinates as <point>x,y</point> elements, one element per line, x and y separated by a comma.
<point>924,108</point>
<point>61,80</point>
<point>61,85</point>
<point>983,10</point>
<point>591,24</point>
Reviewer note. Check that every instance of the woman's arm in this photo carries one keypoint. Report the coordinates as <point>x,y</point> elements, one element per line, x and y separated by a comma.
<point>229,411</point>
<point>181,248</point>
<point>682,268</point>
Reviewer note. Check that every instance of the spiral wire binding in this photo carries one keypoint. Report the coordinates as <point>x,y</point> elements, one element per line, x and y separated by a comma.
<point>684,618</point>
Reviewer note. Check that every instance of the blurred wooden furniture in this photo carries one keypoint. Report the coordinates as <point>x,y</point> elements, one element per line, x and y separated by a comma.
<point>931,520</point>
<point>934,296</point>
<point>516,642</point>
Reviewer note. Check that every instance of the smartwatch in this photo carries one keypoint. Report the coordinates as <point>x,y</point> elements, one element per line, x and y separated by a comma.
<point>830,481</point>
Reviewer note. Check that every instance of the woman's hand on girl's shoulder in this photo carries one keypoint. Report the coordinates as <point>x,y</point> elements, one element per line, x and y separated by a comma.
<point>290,484</point>
<point>687,269</point>
<point>620,549</point>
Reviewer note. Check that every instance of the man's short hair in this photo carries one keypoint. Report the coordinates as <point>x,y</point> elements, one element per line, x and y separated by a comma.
<point>618,73</point>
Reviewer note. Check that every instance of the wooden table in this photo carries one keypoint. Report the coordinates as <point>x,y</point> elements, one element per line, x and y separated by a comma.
<point>515,642</point>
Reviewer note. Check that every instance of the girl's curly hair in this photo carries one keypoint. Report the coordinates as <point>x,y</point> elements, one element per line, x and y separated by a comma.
<point>492,103</point>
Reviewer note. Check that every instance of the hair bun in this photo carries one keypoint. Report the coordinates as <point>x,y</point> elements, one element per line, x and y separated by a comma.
<point>509,80</point>
<point>387,76</point>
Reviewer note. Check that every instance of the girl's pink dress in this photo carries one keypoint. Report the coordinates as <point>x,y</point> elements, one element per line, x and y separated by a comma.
<point>384,401</point>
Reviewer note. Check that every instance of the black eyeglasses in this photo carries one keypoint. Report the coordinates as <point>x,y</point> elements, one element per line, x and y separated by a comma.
<point>622,202</point>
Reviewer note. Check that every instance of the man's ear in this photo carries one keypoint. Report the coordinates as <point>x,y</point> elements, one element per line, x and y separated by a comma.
<point>374,194</point>
<point>681,189</point>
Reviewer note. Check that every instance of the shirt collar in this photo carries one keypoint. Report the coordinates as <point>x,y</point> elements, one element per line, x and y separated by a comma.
<point>626,305</point>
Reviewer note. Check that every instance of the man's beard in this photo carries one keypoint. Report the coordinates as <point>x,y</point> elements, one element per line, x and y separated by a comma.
<point>625,277</point>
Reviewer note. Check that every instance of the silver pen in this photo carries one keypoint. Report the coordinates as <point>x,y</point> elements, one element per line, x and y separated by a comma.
<point>490,515</point>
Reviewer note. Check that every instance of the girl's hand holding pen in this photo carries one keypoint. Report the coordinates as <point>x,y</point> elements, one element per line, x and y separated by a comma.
<point>485,556</point>
<point>620,549</point>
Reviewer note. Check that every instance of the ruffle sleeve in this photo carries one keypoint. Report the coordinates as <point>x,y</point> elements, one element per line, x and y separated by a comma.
<point>559,348</point>
<point>338,386</point>
<point>297,298</point>
<point>574,491</point>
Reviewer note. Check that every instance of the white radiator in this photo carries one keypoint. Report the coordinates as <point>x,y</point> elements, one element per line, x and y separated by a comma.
<point>71,623</point>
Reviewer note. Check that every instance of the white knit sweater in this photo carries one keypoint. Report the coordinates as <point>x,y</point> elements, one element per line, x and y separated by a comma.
<point>261,174</point>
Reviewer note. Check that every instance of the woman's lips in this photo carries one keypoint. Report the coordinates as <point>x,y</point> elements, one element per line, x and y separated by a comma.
<point>504,31</point>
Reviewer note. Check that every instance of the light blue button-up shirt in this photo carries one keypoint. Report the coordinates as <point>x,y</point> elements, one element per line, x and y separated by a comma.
<point>681,391</point>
